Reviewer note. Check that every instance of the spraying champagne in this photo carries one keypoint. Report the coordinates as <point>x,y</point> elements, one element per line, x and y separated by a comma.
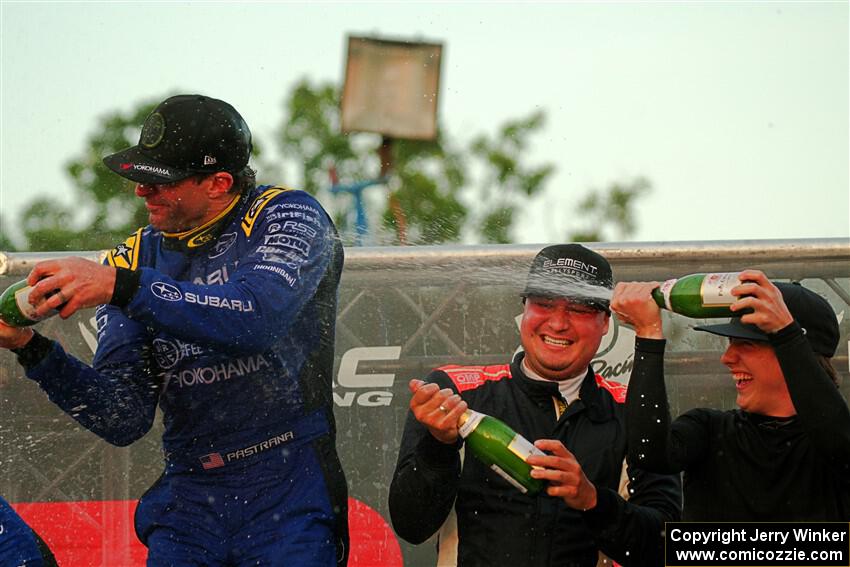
<point>699,296</point>
<point>500,447</point>
<point>15,309</point>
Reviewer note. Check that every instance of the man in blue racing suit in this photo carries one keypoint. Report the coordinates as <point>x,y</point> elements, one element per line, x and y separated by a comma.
<point>222,310</point>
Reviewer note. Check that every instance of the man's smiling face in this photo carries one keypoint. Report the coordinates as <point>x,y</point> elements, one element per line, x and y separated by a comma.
<point>560,337</point>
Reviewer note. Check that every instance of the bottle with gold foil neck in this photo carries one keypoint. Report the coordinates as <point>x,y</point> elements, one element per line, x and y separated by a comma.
<point>501,448</point>
<point>15,309</point>
<point>700,296</point>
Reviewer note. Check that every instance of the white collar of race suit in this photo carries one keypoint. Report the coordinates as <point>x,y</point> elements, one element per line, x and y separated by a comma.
<point>569,388</point>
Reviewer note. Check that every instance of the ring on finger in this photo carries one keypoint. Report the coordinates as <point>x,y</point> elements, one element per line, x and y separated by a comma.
<point>62,299</point>
<point>443,409</point>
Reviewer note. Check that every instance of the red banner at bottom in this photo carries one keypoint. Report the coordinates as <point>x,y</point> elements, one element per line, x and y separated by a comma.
<point>100,533</point>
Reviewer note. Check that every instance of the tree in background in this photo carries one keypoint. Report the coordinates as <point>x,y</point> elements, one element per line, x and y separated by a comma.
<point>5,241</point>
<point>431,180</point>
<point>106,209</point>
<point>508,182</point>
<point>448,193</point>
<point>610,208</point>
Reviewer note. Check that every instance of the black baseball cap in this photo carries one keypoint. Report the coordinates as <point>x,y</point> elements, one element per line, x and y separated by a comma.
<point>185,135</point>
<point>573,272</point>
<point>813,313</point>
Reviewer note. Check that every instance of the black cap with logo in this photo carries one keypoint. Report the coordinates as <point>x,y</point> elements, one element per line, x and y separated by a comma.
<point>810,310</point>
<point>573,272</point>
<point>185,135</point>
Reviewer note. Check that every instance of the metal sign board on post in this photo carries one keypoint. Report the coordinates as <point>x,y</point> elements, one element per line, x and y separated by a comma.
<point>391,88</point>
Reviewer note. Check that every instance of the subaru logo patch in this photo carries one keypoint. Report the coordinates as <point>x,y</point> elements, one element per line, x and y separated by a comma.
<point>166,291</point>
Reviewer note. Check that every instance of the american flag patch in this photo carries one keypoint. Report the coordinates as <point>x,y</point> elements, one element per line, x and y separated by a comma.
<point>212,461</point>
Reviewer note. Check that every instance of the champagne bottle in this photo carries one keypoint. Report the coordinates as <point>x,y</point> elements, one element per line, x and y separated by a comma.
<point>699,295</point>
<point>500,447</point>
<point>15,309</point>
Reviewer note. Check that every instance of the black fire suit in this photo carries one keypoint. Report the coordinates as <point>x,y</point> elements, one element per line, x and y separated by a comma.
<point>742,466</point>
<point>498,525</point>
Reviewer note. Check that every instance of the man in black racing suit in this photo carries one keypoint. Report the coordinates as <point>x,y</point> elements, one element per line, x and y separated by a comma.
<point>550,395</point>
<point>784,453</point>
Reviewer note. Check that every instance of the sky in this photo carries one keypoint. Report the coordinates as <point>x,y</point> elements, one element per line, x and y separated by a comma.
<point>737,112</point>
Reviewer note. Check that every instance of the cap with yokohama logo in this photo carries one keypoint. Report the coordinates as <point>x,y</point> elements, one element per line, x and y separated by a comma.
<point>185,135</point>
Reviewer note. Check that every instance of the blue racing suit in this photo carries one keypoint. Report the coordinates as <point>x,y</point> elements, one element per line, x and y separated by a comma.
<point>20,546</point>
<point>230,328</point>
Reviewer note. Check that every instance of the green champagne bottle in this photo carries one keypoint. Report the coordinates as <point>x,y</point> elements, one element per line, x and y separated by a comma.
<point>700,296</point>
<point>15,309</point>
<point>500,447</point>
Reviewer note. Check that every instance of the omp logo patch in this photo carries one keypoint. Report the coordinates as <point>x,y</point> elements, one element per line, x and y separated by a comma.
<point>257,207</point>
<point>471,377</point>
<point>126,254</point>
<point>166,291</point>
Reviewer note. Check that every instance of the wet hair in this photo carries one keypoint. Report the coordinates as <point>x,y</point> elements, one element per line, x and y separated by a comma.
<point>827,366</point>
<point>243,180</point>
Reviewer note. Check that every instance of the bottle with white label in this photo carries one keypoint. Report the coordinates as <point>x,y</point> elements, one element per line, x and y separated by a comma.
<point>15,308</point>
<point>501,448</point>
<point>700,296</point>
